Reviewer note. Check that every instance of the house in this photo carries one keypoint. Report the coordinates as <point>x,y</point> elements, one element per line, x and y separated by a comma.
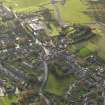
<point>2,91</point>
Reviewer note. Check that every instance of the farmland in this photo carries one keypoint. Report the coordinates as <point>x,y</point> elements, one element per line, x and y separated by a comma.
<point>70,12</point>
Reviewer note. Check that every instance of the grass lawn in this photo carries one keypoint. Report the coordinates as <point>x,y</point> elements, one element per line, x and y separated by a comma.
<point>88,49</point>
<point>7,100</point>
<point>84,52</point>
<point>54,31</point>
<point>58,86</point>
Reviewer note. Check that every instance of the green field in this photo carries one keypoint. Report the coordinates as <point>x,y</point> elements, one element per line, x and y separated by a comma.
<point>25,5</point>
<point>58,86</point>
<point>7,100</point>
<point>99,42</point>
<point>72,11</point>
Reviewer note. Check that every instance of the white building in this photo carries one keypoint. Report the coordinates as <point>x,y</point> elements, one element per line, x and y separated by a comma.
<point>2,91</point>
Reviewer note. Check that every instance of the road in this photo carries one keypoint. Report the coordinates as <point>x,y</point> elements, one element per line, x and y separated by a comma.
<point>45,69</point>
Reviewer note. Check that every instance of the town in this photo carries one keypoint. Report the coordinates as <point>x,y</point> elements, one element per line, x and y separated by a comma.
<point>40,66</point>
